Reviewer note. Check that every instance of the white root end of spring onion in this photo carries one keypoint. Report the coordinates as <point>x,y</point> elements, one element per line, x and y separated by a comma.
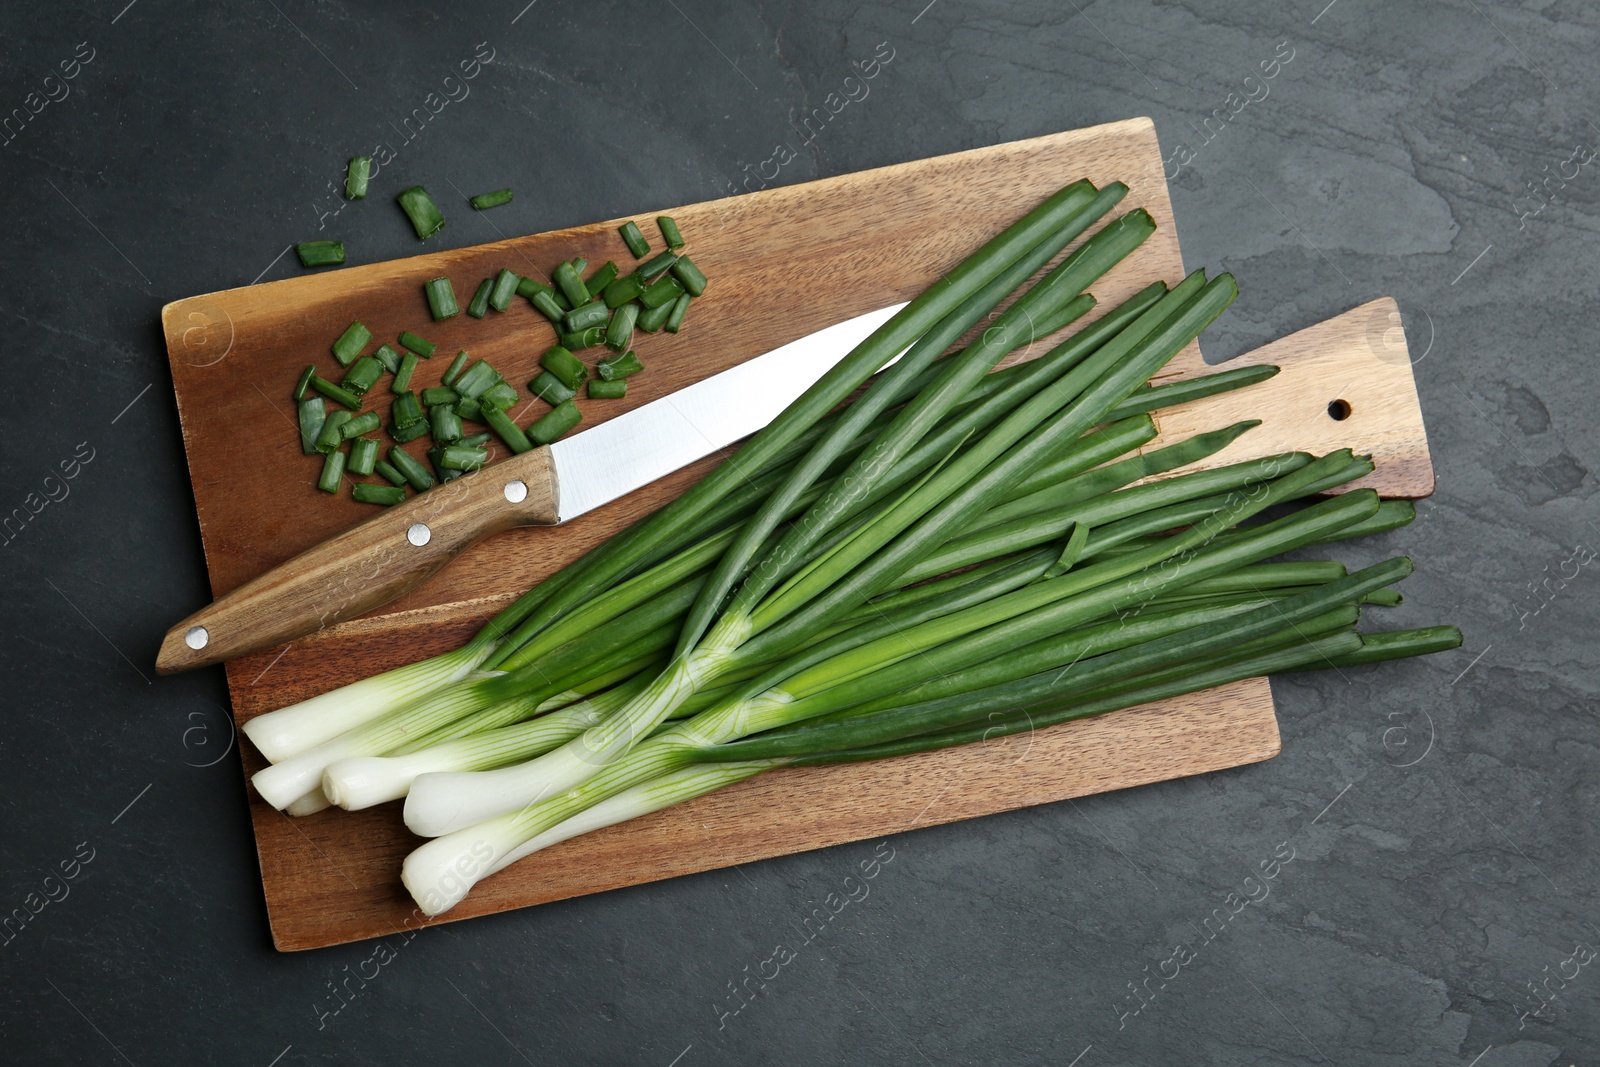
<point>365,781</point>
<point>281,783</point>
<point>440,804</point>
<point>294,729</point>
<point>284,783</point>
<point>441,872</point>
<point>443,802</point>
<point>310,804</point>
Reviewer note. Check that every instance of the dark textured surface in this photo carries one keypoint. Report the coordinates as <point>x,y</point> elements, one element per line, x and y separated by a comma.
<point>1440,813</point>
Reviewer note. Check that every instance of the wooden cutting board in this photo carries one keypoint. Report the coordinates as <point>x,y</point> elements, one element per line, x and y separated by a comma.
<point>782,263</point>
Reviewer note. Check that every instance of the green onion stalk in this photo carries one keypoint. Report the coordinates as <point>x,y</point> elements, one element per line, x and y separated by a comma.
<point>285,782</point>
<point>1114,664</point>
<point>958,302</point>
<point>439,804</point>
<point>641,614</point>
<point>779,582</point>
<point>508,641</point>
<point>958,553</point>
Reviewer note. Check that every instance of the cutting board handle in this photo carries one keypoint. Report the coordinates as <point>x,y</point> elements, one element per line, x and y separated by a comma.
<point>366,566</point>
<point>1345,382</point>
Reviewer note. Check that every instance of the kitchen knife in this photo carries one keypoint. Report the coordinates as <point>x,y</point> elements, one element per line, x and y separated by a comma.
<point>393,552</point>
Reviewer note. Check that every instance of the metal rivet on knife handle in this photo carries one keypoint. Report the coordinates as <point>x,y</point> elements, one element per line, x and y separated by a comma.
<point>419,534</point>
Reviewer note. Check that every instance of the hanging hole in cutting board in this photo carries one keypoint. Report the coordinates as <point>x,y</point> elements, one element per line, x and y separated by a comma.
<point>1339,410</point>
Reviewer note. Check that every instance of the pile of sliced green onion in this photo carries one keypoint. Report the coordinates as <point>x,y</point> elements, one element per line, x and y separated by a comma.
<point>956,554</point>
<point>603,309</point>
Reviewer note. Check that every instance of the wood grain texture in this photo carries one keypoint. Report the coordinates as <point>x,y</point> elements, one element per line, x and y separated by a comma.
<point>367,565</point>
<point>783,263</point>
<point>1343,383</point>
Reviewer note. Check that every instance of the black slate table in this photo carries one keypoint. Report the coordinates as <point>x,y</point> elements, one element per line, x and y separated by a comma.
<point>1431,825</point>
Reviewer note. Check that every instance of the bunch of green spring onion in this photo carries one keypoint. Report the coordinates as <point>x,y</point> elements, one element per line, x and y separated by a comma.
<point>956,554</point>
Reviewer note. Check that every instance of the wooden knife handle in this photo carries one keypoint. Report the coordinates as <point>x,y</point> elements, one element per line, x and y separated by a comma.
<point>368,565</point>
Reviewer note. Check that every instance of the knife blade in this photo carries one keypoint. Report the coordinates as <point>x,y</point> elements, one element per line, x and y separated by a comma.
<point>393,552</point>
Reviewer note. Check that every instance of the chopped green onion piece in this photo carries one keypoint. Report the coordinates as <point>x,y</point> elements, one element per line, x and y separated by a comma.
<point>634,239</point>
<point>386,470</point>
<point>445,474</point>
<point>613,390</point>
<point>624,289</point>
<point>335,393</point>
<point>550,389</point>
<point>478,306</point>
<point>505,287</point>
<point>363,455</point>
<point>356,176</point>
<point>332,472</point>
<point>475,380</point>
<point>508,431</point>
<point>423,348</point>
<point>365,422</point>
<point>409,432</point>
<point>388,357</point>
<point>663,291</point>
<point>548,305</point>
<point>313,412</point>
<point>444,423</point>
<point>463,457</point>
<point>439,394</point>
<point>594,313</point>
<point>410,469</point>
<point>350,343</point>
<point>500,395</point>
<point>455,367</point>
<point>659,265</point>
<point>652,319</point>
<point>424,214</point>
<point>469,408</point>
<point>476,439</point>
<point>669,232</point>
<point>405,411</point>
<point>363,375</point>
<point>557,421</point>
<point>320,253</point>
<point>304,383</point>
<point>581,339</point>
<point>620,332</point>
<point>679,310</point>
<point>694,282</point>
<point>441,298</point>
<point>604,276</point>
<point>368,493</point>
<point>617,367</point>
<point>528,286</point>
<point>403,373</point>
<point>570,285</point>
<point>484,201</point>
<point>578,265</point>
<point>568,368</point>
<point>331,436</point>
